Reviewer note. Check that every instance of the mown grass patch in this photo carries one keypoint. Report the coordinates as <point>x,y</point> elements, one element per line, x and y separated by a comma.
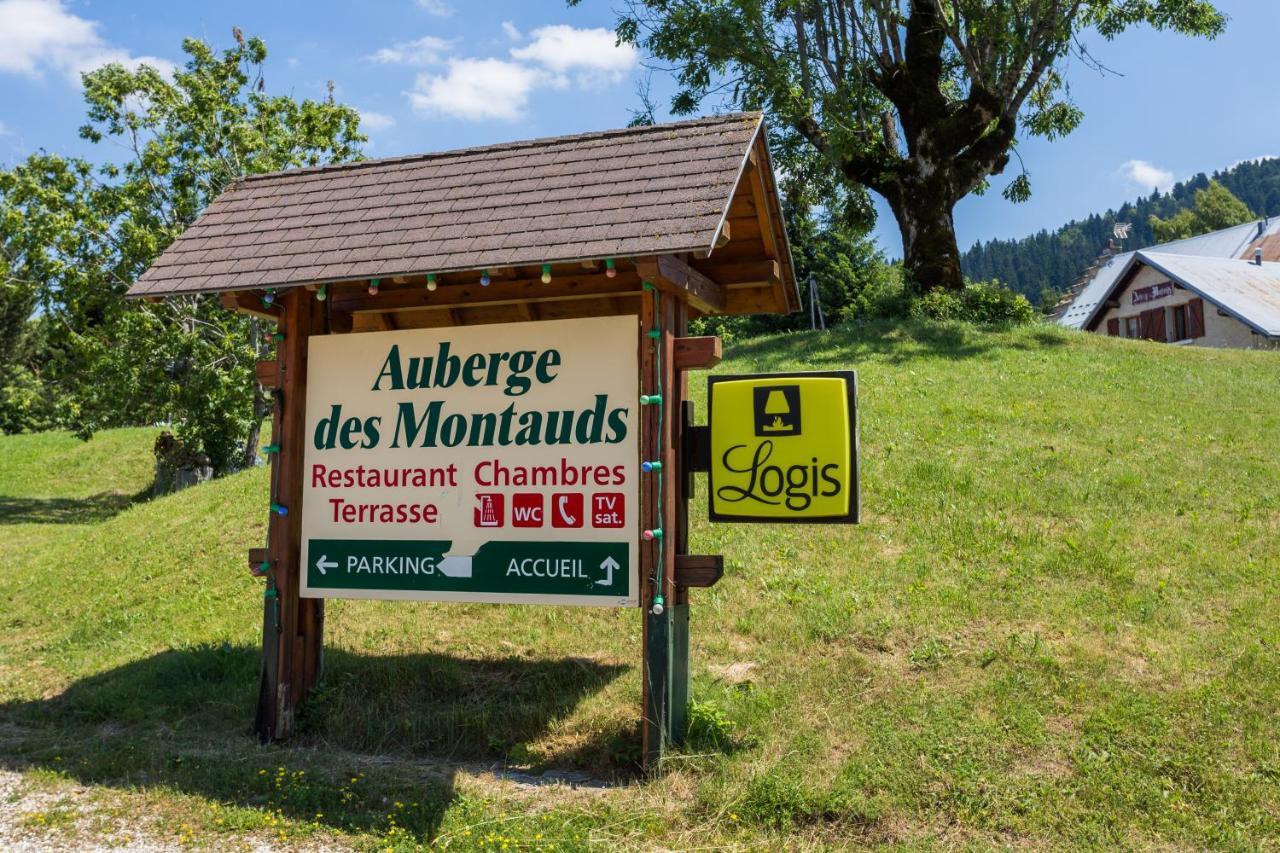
<point>1055,627</point>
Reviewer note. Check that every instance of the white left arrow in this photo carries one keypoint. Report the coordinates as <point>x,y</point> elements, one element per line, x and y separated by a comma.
<point>608,565</point>
<point>325,563</point>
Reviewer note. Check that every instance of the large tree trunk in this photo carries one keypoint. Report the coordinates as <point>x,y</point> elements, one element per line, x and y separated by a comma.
<point>930,254</point>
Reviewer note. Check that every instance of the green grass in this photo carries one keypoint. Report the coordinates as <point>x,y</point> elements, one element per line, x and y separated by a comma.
<point>1058,626</point>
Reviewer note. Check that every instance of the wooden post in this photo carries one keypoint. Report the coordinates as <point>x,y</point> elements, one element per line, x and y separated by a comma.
<point>681,482</point>
<point>660,428</point>
<point>293,627</point>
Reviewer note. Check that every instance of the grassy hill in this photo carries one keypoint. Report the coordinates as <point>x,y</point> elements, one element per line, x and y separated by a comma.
<point>1058,626</point>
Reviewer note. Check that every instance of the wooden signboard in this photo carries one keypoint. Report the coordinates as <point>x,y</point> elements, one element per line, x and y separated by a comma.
<point>488,463</point>
<point>481,376</point>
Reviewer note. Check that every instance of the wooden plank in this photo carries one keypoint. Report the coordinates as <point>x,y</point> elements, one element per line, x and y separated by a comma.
<point>725,235</point>
<point>754,300</point>
<point>247,302</point>
<point>579,286</point>
<point>675,277</point>
<point>761,205</point>
<point>682,412</point>
<point>340,322</point>
<point>766,273</point>
<point>699,570</point>
<point>701,353</point>
<point>297,649</point>
<point>653,671</point>
<point>258,558</point>
<point>267,373</point>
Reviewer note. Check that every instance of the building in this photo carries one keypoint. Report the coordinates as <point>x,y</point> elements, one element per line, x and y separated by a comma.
<point>1235,246</point>
<point>1189,299</point>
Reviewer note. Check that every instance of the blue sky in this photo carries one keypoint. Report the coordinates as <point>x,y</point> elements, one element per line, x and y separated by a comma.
<point>436,74</point>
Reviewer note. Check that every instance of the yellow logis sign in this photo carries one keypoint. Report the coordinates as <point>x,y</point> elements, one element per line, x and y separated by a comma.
<point>784,447</point>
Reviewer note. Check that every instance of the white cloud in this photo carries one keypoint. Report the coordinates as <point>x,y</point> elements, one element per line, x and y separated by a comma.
<point>1146,176</point>
<point>476,89</point>
<point>592,54</point>
<point>439,8</point>
<point>428,50</point>
<point>375,121</point>
<point>41,35</point>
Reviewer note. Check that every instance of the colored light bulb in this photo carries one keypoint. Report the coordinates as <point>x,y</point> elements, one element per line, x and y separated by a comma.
<point>268,297</point>
<point>321,295</point>
<point>431,282</point>
<point>373,286</point>
<point>484,278</point>
<point>659,604</point>
<point>608,268</point>
<point>546,273</point>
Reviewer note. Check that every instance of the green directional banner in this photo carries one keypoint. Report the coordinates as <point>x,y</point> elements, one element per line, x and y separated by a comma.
<point>511,568</point>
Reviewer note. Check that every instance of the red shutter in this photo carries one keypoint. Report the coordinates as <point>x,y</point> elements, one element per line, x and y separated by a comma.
<point>1158,324</point>
<point>1153,325</point>
<point>1195,318</point>
<point>1113,326</point>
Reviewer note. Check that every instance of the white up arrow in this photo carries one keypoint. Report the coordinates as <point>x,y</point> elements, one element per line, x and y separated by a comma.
<point>324,563</point>
<point>608,565</point>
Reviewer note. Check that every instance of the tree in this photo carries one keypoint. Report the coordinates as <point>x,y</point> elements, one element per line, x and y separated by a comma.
<point>81,234</point>
<point>919,100</point>
<point>1215,208</point>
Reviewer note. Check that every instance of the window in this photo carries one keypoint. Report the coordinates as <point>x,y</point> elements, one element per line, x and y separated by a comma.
<point>1180,323</point>
<point>1131,327</point>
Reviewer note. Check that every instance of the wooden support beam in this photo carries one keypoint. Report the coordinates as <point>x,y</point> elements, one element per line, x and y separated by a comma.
<point>761,204</point>
<point>415,298</point>
<point>699,570</point>
<point>725,235</point>
<point>702,353</point>
<point>247,302</point>
<point>673,276</point>
<point>267,373</point>
<point>293,627</point>
<point>767,273</point>
<point>257,559</point>
<point>663,699</point>
<point>340,322</point>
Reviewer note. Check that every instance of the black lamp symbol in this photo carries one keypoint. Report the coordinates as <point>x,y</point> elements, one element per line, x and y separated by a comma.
<point>777,410</point>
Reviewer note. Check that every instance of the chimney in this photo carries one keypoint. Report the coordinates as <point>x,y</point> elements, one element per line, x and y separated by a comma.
<point>1257,256</point>
<point>1262,227</point>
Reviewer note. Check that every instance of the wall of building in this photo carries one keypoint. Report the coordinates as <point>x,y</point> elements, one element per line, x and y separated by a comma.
<point>1219,330</point>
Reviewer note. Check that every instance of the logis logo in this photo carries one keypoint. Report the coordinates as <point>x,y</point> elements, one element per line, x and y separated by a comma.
<point>796,485</point>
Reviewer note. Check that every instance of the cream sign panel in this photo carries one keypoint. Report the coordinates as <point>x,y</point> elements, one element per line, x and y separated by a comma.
<point>488,463</point>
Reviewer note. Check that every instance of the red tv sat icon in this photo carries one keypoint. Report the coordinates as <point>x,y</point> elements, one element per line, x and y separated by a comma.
<point>608,509</point>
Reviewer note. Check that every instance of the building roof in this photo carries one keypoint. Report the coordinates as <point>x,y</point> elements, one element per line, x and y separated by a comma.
<point>1248,291</point>
<point>625,193</point>
<point>1237,241</point>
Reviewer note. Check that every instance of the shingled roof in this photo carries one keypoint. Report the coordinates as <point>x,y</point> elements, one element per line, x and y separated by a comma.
<point>620,193</point>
